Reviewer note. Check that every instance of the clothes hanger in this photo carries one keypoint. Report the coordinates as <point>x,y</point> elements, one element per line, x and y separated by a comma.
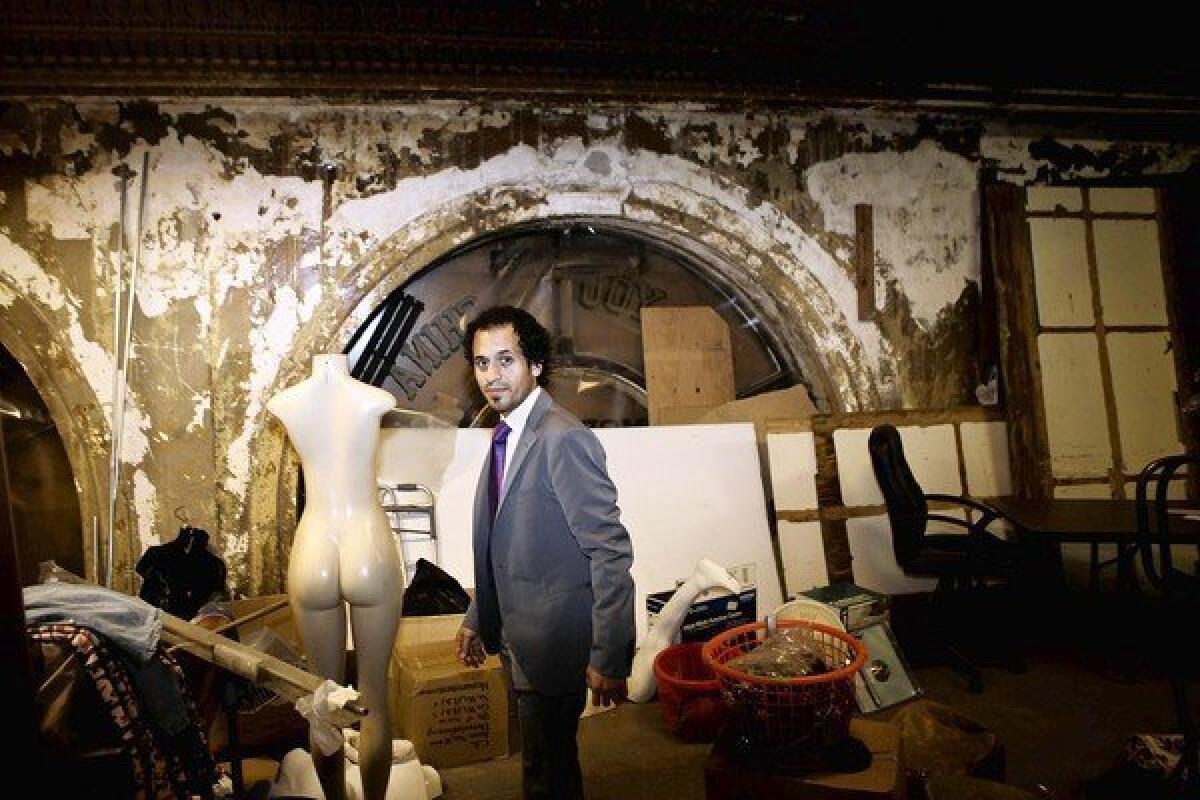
<point>185,529</point>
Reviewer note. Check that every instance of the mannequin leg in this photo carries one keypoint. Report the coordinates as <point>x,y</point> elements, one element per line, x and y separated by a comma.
<point>374,635</point>
<point>323,633</point>
<point>707,575</point>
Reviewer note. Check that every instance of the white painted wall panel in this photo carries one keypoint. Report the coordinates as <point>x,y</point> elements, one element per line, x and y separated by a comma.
<point>985,456</point>
<point>1143,373</point>
<point>930,451</point>
<point>1104,200</point>
<point>792,457</point>
<point>1049,198</point>
<point>1064,290</point>
<point>1129,266</point>
<point>803,553</point>
<point>1076,422</point>
<point>874,562</point>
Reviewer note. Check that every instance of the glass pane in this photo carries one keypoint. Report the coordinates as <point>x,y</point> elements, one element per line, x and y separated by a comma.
<point>1143,374</point>
<point>587,286</point>
<point>1064,290</point>
<point>1050,198</point>
<point>1076,421</point>
<point>1130,270</point>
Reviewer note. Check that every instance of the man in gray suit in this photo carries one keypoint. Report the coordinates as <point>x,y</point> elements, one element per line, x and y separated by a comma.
<point>553,592</point>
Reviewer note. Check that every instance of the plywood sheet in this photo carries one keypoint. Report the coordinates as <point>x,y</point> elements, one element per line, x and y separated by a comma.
<point>793,403</point>
<point>1104,200</point>
<point>803,552</point>
<point>1060,268</point>
<point>1143,374</point>
<point>1129,266</point>
<point>793,462</point>
<point>1051,198</point>
<point>1076,421</point>
<point>985,457</point>
<point>685,493</point>
<point>931,453</point>
<point>688,358</point>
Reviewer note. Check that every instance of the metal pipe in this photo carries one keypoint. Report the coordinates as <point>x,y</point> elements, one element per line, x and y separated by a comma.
<point>103,572</point>
<point>127,346</point>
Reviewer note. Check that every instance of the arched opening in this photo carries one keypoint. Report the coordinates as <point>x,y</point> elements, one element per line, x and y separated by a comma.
<point>587,281</point>
<point>41,487</point>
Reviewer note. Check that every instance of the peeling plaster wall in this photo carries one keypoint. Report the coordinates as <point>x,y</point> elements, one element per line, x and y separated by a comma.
<point>271,228</point>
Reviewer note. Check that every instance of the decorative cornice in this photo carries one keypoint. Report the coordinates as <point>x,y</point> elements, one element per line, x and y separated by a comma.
<point>764,53</point>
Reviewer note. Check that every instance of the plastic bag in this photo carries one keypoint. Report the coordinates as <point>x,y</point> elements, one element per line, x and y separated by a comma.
<point>433,591</point>
<point>787,653</point>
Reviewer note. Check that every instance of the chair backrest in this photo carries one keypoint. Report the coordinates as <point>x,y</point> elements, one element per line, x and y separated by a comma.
<point>1154,519</point>
<point>907,508</point>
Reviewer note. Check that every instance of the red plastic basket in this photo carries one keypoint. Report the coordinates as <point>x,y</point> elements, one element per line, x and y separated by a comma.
<point>689,693</point>
<point>772,713</point>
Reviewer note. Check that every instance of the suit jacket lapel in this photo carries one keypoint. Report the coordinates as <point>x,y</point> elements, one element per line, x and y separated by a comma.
<point>533,429</point>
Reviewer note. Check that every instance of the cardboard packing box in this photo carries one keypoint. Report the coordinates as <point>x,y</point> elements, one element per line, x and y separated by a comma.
<point>708,615</point>
<point>452,714</point>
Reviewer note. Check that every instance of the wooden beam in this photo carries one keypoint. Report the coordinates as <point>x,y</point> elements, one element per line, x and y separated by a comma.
<point>1016,308</point>
<point>827,423</point>
<point>864,260</point>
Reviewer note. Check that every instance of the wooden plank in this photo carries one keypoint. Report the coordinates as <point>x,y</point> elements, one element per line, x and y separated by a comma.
<point>1106,377</point>
<point>842,513</point>
<point>1012,264</point>
<point>789,425</point>
<point>688,358</point>
<point>829,495</point>
<point>827,423</point>
<point>864,260</point>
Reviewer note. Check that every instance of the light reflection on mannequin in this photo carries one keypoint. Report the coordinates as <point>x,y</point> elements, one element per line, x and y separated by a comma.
<point>343,552</point>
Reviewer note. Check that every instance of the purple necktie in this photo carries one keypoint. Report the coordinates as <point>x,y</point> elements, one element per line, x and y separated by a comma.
<point>499,442</point>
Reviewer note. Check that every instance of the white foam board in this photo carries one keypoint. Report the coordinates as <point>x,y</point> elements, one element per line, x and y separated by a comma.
<point>792,457</point>
<point>930,451</point>
<point>685,492</point>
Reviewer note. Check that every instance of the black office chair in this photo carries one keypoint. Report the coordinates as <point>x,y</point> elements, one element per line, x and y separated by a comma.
<point>961,564</point>
<point>1181,589</point>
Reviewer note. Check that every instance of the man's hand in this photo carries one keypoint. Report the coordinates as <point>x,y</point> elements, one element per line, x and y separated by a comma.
<point>470,647</point>
<point>606,691</point>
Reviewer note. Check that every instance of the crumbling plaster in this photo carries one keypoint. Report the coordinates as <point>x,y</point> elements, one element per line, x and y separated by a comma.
<point>270,230</point>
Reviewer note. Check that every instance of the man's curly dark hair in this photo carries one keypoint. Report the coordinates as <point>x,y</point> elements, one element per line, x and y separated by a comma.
<point>533,338</point>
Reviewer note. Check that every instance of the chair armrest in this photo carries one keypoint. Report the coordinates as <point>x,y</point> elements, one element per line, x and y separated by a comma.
<point>990,514</point>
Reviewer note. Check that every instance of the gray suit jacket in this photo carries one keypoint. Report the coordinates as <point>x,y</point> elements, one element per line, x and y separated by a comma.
<point>552,571</point>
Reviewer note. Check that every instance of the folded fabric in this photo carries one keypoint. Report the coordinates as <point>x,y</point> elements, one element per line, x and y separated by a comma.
<point>129,624</point>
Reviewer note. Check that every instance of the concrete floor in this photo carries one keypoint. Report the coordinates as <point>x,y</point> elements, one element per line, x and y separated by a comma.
<point>1063,721</point>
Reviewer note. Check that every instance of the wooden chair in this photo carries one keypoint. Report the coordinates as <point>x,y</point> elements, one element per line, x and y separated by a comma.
<point>1181,590</point>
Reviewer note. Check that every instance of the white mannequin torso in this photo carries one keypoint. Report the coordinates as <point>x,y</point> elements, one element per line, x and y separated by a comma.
<point>344,550</point>
<point>333,421</point>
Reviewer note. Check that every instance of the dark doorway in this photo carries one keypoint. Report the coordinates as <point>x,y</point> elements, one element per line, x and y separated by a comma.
<point>41,488</point>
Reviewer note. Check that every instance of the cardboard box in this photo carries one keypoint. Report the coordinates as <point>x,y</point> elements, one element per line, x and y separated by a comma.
<point>280,620</point>
<point>708,616</point>
<point>452,714</point>
<point>858,607</point>
<point>423,630</point>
